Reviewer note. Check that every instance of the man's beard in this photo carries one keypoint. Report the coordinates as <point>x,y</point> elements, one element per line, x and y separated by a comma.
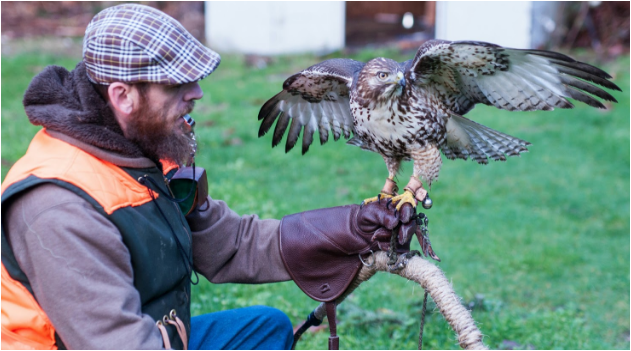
<point>148,129</point>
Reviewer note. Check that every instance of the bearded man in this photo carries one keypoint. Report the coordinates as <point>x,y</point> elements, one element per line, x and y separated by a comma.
<point>98,253</point>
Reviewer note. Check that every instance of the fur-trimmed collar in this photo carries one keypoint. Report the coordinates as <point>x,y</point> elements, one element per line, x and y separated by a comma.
<point>67,102</point>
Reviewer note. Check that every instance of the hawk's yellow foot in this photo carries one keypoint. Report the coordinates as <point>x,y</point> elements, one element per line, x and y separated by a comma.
<point>381,196</point>
<point>406,197</point>
<point>389,190</point>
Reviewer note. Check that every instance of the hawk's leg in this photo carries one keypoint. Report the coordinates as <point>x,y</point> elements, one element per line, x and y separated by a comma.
<point>412,194</point>
<point>390,188</point>
<point>427,164</point>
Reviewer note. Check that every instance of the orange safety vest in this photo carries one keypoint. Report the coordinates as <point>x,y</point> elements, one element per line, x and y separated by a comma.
<point>24,324</point>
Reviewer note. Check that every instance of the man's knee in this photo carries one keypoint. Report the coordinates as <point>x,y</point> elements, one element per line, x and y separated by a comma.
<point>276,322</point>
<point>275,317</point>
<point>252,328</point>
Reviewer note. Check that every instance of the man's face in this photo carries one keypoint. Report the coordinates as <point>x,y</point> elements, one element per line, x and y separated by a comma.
<point>156,125</point>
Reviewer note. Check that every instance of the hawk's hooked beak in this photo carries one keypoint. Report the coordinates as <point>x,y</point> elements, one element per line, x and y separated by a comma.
<point>400,79</point>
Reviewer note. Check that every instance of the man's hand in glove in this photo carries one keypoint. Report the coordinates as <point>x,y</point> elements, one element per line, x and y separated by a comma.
<point>321,248</point>
<point>382,220</point>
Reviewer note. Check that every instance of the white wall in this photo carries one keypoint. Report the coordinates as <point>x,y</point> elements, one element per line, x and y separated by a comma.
<point>506,23</point>
<point>269,28</point>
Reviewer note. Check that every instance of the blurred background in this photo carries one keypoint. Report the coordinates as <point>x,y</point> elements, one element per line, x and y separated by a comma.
<point>269,28</point>
<point>537,247</point>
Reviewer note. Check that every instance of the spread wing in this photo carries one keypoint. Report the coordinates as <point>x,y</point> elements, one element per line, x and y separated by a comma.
<point>316,98</point>
<point>464,73</point>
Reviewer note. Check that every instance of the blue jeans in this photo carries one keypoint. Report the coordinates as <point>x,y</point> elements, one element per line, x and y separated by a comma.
<point>250,328</point>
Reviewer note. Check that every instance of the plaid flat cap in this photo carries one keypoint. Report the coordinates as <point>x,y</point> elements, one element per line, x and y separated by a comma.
<point>134,43</point>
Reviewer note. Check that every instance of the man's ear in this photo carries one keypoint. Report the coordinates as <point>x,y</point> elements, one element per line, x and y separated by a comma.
<point>123,97</point>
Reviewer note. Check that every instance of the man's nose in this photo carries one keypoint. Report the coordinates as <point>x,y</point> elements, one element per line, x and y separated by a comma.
<point>193,91</point>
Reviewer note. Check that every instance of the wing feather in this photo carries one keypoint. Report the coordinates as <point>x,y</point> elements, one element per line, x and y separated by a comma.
<point>579,84</point>
<point>281,127</point>
<point>536,92</point>
<point>337,130</point>
<point>586,76</point>
<point>468,139</point>
<point>269,112</point>
<point>293,133</point>
<point>510,79</point>
<point>528,99</point>
<point>307,137</point>
<point>580,96</point>
<point>323,129</point>
<point>316,98</point>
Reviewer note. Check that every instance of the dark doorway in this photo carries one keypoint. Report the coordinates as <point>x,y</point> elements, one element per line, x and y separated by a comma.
<point>380,22</point>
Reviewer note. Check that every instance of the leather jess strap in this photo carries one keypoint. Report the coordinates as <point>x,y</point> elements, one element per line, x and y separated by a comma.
<point>174,320</point>
<point>334,340</point>
<point>179,326</point>
<point>165,335</point>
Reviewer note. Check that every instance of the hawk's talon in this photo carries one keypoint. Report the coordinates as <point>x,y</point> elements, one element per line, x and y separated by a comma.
<point>377,198</point>
<point>411,254</point>
<point>403,260</point>
<point>406,197</point>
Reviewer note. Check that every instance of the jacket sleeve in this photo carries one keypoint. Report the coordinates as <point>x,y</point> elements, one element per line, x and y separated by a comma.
<point>79,269</point>
<point>228,248</point>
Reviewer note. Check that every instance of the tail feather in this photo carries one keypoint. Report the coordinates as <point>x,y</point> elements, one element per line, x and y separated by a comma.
<point>468,139</point>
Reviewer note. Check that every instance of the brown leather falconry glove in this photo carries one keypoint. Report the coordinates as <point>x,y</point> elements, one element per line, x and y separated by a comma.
<point>321,248</point>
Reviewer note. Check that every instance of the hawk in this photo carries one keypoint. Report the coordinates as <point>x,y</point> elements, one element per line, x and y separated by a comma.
<point>415,109</point>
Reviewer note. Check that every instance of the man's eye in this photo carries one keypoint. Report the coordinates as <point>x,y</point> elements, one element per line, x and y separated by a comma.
<point>175,86</point>
<point>383,75</point>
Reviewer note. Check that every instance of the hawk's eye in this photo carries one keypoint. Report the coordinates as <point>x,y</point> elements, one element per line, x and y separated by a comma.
<point>382,75</point>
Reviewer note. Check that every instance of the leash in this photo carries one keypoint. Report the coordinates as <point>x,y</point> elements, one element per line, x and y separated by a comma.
<point>420,334</point>
<point>334,339</point>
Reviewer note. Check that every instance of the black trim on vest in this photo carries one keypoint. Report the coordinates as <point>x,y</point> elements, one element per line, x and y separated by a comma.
<point>11,264</point>
<point>60,344</point>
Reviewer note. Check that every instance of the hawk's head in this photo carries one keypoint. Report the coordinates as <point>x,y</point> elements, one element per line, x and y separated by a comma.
<point>380,81</point>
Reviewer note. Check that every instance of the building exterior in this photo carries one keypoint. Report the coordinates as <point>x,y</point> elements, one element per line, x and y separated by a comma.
<point>271,28</point>
<point>506,23</point>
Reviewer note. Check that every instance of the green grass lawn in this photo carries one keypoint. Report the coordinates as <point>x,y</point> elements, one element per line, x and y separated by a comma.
<point>538,245</point>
